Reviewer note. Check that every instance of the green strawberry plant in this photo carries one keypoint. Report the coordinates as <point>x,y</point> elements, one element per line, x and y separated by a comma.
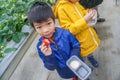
<point>13,16</point>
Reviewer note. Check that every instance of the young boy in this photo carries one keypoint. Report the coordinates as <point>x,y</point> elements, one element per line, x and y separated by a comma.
<point>59,44</point>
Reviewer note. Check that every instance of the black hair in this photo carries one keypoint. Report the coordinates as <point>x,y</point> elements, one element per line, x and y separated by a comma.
<point>39,12</point>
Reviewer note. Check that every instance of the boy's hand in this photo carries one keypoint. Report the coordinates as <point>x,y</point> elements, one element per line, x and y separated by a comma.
<point>45,47</point>
<point>89,15</point>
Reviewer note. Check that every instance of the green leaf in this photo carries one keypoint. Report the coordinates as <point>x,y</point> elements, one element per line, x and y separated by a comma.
<point>17,37</point>
<point>26,33</point>
<point>8,50</point>
<point>5,30</point>
<point>1,55</point>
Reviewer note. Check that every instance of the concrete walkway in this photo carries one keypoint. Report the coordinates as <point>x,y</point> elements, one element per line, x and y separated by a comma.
<point>108,54</point>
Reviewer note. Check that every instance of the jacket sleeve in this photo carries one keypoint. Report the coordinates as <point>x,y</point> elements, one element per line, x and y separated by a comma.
<point>49,61</point>
<point>66,22</point>
<point>75,46</point>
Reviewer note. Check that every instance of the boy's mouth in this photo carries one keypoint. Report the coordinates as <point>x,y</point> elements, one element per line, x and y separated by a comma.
<point>48,35</point>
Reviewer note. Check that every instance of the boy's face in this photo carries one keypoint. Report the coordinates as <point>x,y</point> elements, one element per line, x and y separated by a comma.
<point>45,28</point>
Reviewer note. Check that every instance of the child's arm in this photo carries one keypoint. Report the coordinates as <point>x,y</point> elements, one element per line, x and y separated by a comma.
<point>45,48</point>
<point>75,50</point>
<point>50,62</point>
<point>47,56</point>
<point>89,15</point>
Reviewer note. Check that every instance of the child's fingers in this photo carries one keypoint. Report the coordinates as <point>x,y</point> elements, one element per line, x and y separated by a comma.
<point>43,48</point>
<point>92,13</point>
<point>42,45</point>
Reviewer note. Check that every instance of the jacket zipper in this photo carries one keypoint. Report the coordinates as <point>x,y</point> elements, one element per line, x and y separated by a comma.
<point>89,28</point>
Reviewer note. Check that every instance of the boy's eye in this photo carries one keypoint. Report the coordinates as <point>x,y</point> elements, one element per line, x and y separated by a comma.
<point>49,23</point>
<point>39,27</point>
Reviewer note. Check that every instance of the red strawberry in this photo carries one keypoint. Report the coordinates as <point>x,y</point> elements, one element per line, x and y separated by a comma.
<point>46,42</point>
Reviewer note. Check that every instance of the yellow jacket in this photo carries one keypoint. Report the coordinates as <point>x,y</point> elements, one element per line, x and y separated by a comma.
<point>71,17</point>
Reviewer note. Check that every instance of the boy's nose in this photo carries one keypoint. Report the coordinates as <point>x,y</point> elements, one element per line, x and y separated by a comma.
<point>45,30</point>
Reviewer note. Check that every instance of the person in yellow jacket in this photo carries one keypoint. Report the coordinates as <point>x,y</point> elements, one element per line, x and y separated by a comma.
<point>75,18</point>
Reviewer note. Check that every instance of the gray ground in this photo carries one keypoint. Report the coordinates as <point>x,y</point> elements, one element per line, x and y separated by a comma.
<point>108,54</point>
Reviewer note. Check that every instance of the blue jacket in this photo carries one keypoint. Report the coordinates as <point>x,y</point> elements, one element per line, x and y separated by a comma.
<point>65,46</point>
